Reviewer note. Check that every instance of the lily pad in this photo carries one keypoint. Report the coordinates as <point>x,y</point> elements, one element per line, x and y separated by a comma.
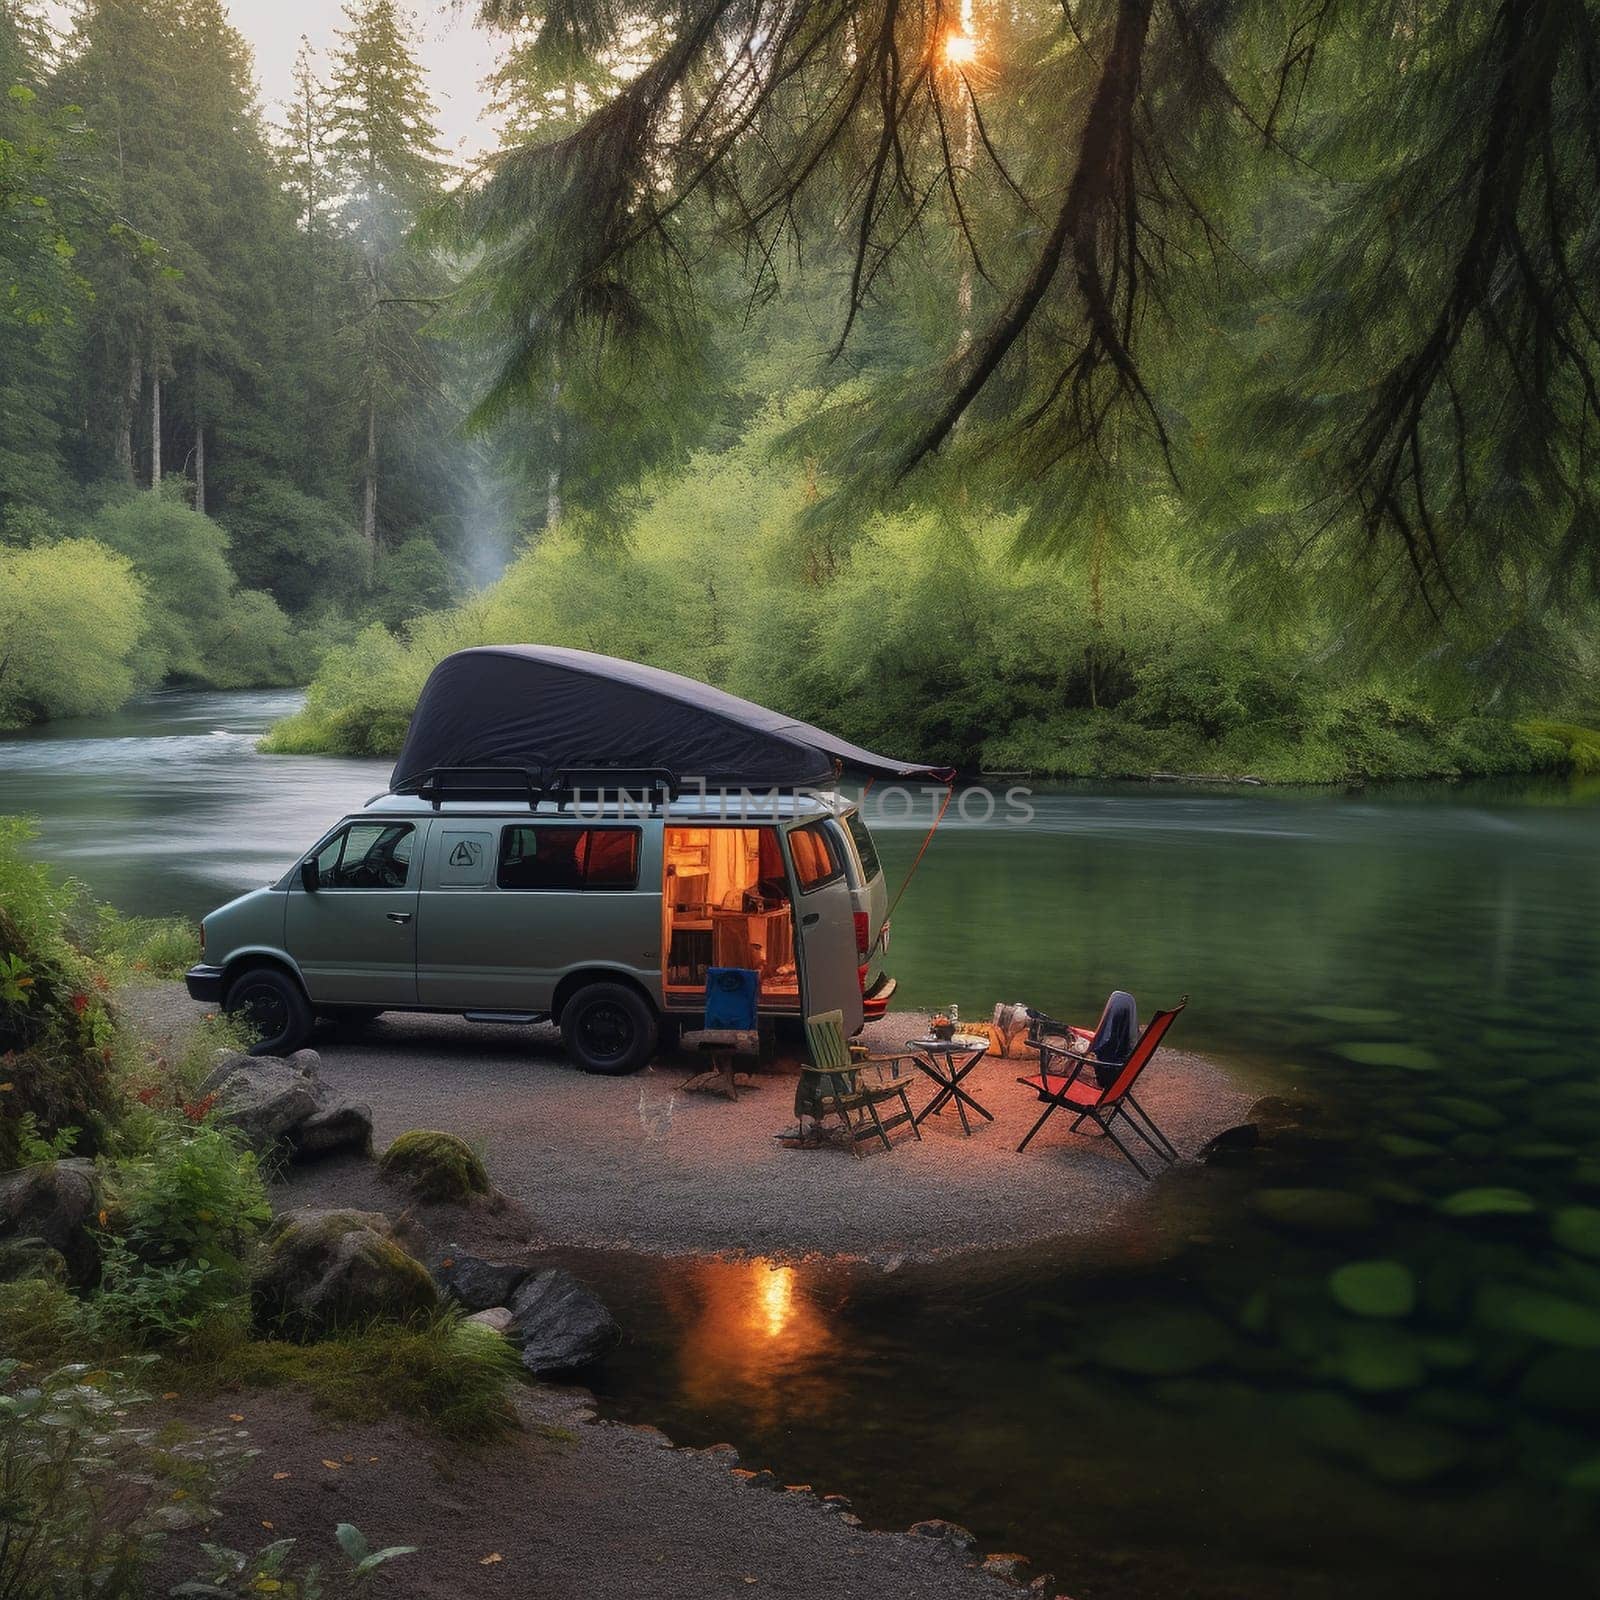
<point>1468,1113</point>
<point>1168,1344</point>
<point>1374,1288</point>
<point>1376,1360</point>
<point>1514,1308</point>
<point>1456,1408</point>
<point>1577,1229</point>
<point>1564,1384</point>
<point>1411,1057</point>
<point>1402,1147</point>
<point>1357,1016</point>
<point>1429,1124</point>
<point>1331,1212</point>
<point>1539,1151</point>
<point>1492,1201</point>
<point>1415,1454</point>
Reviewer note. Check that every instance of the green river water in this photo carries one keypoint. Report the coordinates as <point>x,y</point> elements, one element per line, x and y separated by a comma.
<point>1255,1409</point>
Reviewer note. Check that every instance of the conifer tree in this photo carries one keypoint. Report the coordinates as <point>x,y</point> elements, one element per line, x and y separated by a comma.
<point>390,165</point>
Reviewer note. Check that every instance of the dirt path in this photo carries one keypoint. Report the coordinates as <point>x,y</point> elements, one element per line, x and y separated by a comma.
<point>637,1164</point>
<point>567,1509</point>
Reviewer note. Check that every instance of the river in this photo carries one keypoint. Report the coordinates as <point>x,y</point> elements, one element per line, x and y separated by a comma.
<point>1240,1416</point>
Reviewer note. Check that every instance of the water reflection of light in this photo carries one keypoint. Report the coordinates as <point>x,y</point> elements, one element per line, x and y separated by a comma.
<point>777,1298</point>
<point>752,1334</point>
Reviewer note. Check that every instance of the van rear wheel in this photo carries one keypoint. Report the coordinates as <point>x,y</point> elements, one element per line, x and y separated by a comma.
<point>274,1006</point>
<point>609,1028</point>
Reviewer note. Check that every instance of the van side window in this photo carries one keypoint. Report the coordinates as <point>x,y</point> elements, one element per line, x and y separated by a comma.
<point>367,855</point>
<point>857,824</point>
<point>815,855</point>
<point>568,858</point>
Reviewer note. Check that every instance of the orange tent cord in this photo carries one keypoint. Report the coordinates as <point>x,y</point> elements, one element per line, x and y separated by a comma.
<point>905,883</point>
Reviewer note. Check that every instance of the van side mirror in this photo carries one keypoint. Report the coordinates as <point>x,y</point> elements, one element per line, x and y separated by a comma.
<point>308,874</point>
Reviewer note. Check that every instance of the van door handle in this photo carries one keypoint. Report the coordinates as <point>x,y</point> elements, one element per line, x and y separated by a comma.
<point>399,916</point>
<point>809,918</point>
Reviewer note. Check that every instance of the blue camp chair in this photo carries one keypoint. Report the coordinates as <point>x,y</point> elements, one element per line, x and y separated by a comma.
<point>729,1028</point>
<point>731,994</point>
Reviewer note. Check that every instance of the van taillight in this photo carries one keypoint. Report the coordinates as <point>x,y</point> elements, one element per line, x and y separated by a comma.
<point>861,978</point>
<point>863,937</point>
<point>202,938</point>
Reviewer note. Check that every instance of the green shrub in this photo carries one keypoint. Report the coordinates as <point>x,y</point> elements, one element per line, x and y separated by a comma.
<point>56,1030</point>
<point>1580,743</point>
<point>435,1166</point>
<point>71,617</point>
<point>201,627</point>
<point>182,1215</point>
<point>68,1454</point>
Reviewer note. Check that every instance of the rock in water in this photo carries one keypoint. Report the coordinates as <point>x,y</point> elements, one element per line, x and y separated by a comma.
<point>558,1323</point>
<point>339,1125</point>
<point>497,1319</point>
<point>56,1203</point>
<point>263,1097</point>
<point>475,1284</point>
<point>1230,1146</point>
<point>324,1271</point>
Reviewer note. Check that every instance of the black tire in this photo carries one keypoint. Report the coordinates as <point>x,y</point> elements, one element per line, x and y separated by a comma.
<point>272,1002</point>
<point>609,1028</point>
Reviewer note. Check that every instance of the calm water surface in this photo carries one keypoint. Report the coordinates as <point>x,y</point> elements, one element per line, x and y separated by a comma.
<point>1230,1414</point>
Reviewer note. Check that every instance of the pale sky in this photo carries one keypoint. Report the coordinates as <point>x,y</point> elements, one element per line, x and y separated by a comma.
<point>456,55</point>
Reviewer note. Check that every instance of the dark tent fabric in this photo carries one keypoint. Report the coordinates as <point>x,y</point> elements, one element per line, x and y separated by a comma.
<point>550,709</point>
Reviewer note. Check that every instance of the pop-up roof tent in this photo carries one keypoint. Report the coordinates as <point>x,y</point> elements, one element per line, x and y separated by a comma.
<point>548,710</point>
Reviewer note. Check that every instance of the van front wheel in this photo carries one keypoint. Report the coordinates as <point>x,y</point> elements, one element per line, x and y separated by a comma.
<point>609,1028</point>
<point>273,1006</point>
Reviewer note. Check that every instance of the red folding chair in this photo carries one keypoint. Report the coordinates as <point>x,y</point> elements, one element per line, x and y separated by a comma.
<point>1104,1106</point>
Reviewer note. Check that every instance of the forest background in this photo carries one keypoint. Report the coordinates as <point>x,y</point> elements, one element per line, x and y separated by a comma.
<point>745,354</point>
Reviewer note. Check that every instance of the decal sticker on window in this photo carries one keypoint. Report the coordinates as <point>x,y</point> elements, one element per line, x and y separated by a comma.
<point>464,860</point>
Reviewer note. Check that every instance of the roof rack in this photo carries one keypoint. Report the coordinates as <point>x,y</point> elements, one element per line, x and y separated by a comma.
<point>439,784</point>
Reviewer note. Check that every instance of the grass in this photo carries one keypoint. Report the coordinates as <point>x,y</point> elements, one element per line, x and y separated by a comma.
<point>40,1322</point>
<point>452,1376</point>
<point>143,947</point>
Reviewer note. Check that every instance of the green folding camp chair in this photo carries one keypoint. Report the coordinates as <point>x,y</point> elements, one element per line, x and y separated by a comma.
<point>832,1085</point>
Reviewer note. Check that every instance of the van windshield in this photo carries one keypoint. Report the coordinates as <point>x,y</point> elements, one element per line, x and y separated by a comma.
<point>870,865</point>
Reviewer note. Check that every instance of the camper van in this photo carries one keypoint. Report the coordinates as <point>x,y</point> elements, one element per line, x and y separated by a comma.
<point>602,914</point>
<point>573,837</point>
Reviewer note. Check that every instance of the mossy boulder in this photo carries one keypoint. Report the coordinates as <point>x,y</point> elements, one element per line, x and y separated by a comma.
<point>324,1272</point>
<point>435,1166</point>
<point>58,1204</point>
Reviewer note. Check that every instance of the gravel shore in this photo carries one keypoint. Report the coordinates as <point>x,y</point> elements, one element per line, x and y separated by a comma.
<point>636,1163</point>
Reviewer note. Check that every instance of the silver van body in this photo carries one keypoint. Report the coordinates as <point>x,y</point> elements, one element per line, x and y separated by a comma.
<point>453,905</point>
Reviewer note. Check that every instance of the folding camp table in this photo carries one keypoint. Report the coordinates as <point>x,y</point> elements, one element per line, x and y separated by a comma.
<point>947,1062</point>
